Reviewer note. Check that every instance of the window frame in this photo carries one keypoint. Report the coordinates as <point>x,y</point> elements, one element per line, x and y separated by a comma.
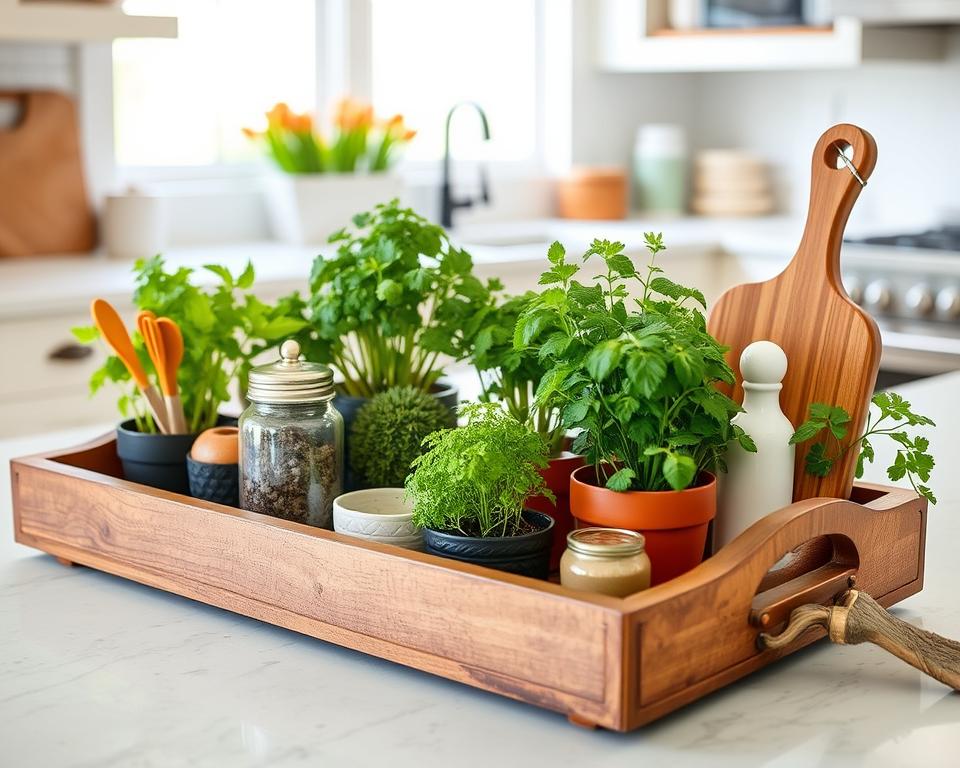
<point>342,35</point>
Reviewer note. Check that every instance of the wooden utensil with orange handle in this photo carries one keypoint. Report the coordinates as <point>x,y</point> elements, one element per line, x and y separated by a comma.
<point>172,341</point>
<point>832,345</point>
<point>114,332</point>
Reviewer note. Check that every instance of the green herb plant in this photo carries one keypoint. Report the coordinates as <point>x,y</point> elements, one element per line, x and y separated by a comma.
<point>223,328</point>
<point>388,434</point>
<point>630,363</point>
<point>509,375</point>
<point>473,479</point>
<point>912,460</point>
<point>395,297</point>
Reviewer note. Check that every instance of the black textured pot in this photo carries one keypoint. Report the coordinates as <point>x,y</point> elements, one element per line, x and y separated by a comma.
<point>348,405</point>
<point>154,459</point>
<point>159,461</point>
<point>214,482</point>
<point>527,555</point>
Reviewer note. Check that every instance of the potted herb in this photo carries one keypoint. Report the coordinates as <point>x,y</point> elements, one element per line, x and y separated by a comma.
<point>633,367</point>
<point>223,328</point>
<point>388,434</point>
<point>327,175</point>
<point>470,487</point>
<point>394,297</point>
<point>510,376</point>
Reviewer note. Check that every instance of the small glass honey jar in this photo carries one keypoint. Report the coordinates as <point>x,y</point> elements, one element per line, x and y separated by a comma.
<point>609,561</point>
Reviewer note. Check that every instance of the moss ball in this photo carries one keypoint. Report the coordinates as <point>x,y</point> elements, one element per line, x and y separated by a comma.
<point>388,432</point>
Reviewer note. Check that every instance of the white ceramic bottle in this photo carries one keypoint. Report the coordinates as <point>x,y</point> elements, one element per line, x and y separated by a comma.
<point>757,484</point>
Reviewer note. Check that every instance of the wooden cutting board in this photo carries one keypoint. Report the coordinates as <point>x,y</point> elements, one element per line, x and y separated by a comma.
<point>43,201</point>
<point>832,346</point>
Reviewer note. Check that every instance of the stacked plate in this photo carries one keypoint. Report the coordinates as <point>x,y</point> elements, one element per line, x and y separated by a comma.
<point>731,182</point>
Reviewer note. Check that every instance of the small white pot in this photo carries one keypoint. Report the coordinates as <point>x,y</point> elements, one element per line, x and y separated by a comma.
<point>377,514</point>
<point>306,208</point>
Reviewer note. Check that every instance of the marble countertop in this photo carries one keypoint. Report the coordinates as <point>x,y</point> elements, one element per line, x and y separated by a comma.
<point>99,671</point>
<point>56,284</point>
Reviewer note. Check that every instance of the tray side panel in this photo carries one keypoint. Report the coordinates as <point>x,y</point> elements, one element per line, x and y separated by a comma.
<point>529,644</point>
<point>704,629</point>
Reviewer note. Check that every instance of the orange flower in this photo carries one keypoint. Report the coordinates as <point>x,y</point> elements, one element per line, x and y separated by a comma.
<point>250,133</point>
<point>300,123</point>
<point>409,135</point>
<point>351,115</point>
<point>279,115</point>
<point>397,130</point>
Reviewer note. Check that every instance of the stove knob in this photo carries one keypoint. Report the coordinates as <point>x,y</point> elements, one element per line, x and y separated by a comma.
<point>853,288</point>
<point>919,300</point>
<point>948,303</point>
<point>877,296</point>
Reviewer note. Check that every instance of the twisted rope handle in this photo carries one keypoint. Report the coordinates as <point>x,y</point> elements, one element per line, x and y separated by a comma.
<point>858,618</point>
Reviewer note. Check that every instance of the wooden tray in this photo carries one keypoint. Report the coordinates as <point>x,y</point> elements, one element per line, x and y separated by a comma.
<point>616,663</point>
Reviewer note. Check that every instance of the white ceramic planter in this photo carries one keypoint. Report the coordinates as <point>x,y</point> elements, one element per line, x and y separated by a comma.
<point>305,209</point>
<point>377,514</point>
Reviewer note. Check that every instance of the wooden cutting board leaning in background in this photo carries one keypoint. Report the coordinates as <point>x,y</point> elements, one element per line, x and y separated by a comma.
<point>43,201</point>
<point>832,346</point>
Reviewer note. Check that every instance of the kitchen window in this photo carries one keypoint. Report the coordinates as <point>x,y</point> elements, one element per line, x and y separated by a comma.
<point>179,105</point>
<point>182,103</point>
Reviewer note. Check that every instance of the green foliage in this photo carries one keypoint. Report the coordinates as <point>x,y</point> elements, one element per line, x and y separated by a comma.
<point>388,434</point>
<point>912,460</point>
<point>395,297</point>
<point>509,375</point>
<point>474,479</point>
<point>223,328</point>
<point>630,363</point>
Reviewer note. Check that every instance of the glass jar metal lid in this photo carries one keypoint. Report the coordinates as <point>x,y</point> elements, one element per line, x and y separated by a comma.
<point>606,542</point>
<point>290,380</point>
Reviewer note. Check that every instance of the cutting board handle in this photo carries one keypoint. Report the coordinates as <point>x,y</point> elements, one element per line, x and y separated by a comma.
<point>833,190</point>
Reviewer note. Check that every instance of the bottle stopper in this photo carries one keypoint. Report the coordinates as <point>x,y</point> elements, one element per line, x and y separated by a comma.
<point>763,365</point>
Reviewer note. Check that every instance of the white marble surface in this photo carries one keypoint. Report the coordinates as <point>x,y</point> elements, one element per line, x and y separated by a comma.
<point>98,671</point>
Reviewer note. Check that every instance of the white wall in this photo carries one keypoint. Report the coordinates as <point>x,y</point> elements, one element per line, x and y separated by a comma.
<point>912,110</point>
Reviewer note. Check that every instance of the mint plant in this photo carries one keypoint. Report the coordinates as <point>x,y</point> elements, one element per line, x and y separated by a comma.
<point>474,479</point>
<point>912,460</point>
<point>630,363</point>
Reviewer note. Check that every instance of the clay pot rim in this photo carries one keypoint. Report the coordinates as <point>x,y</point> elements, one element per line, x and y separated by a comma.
<point>706,480</point>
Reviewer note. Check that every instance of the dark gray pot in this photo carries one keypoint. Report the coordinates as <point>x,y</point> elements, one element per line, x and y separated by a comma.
<point>214,482</point>
<point>154,459</point>
<point>348,405</point>
<point>527,555</point>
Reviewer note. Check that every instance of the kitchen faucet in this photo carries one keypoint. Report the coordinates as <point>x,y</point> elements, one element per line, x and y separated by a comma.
<point>447,203</point>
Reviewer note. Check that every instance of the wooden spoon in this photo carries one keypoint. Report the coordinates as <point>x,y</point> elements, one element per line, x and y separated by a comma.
<point>172,340</point>
<point>833,346</point>
<point>114,332</point>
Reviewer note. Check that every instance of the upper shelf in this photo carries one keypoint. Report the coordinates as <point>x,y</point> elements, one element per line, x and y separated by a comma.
<point>77,22</point>
<point>634,40</point>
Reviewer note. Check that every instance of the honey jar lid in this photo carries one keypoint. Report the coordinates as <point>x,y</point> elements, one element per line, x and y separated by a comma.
<point>606,542</point>
<point>291,380</point>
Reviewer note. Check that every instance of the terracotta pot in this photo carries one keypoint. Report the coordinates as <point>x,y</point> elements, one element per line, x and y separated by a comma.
<point>557,477</point>
<point>593,193</point>
<point>674,523</point>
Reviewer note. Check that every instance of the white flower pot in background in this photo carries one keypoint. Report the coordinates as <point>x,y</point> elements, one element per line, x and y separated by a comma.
<point>306,209</point>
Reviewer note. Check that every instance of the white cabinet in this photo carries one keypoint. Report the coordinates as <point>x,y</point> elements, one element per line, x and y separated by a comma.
<point>634,37</point>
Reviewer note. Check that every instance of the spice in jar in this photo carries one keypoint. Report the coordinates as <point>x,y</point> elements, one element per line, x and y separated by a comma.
<point>291,441</point>
<point>609,561</point>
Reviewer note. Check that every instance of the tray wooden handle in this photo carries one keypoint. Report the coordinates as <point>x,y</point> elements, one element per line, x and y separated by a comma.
<point>857,618</point>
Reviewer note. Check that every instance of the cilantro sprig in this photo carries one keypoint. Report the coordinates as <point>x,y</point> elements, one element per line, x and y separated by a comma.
<point>912,460</point>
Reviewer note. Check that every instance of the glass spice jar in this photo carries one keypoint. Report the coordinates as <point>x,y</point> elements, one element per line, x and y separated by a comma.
<point>609,561</point>
<point>291,441</point>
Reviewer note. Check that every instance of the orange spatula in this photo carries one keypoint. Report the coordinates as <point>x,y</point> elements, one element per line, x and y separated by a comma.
<point>114,332</point>
<point>172,341</point>
<point>833,346</point>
